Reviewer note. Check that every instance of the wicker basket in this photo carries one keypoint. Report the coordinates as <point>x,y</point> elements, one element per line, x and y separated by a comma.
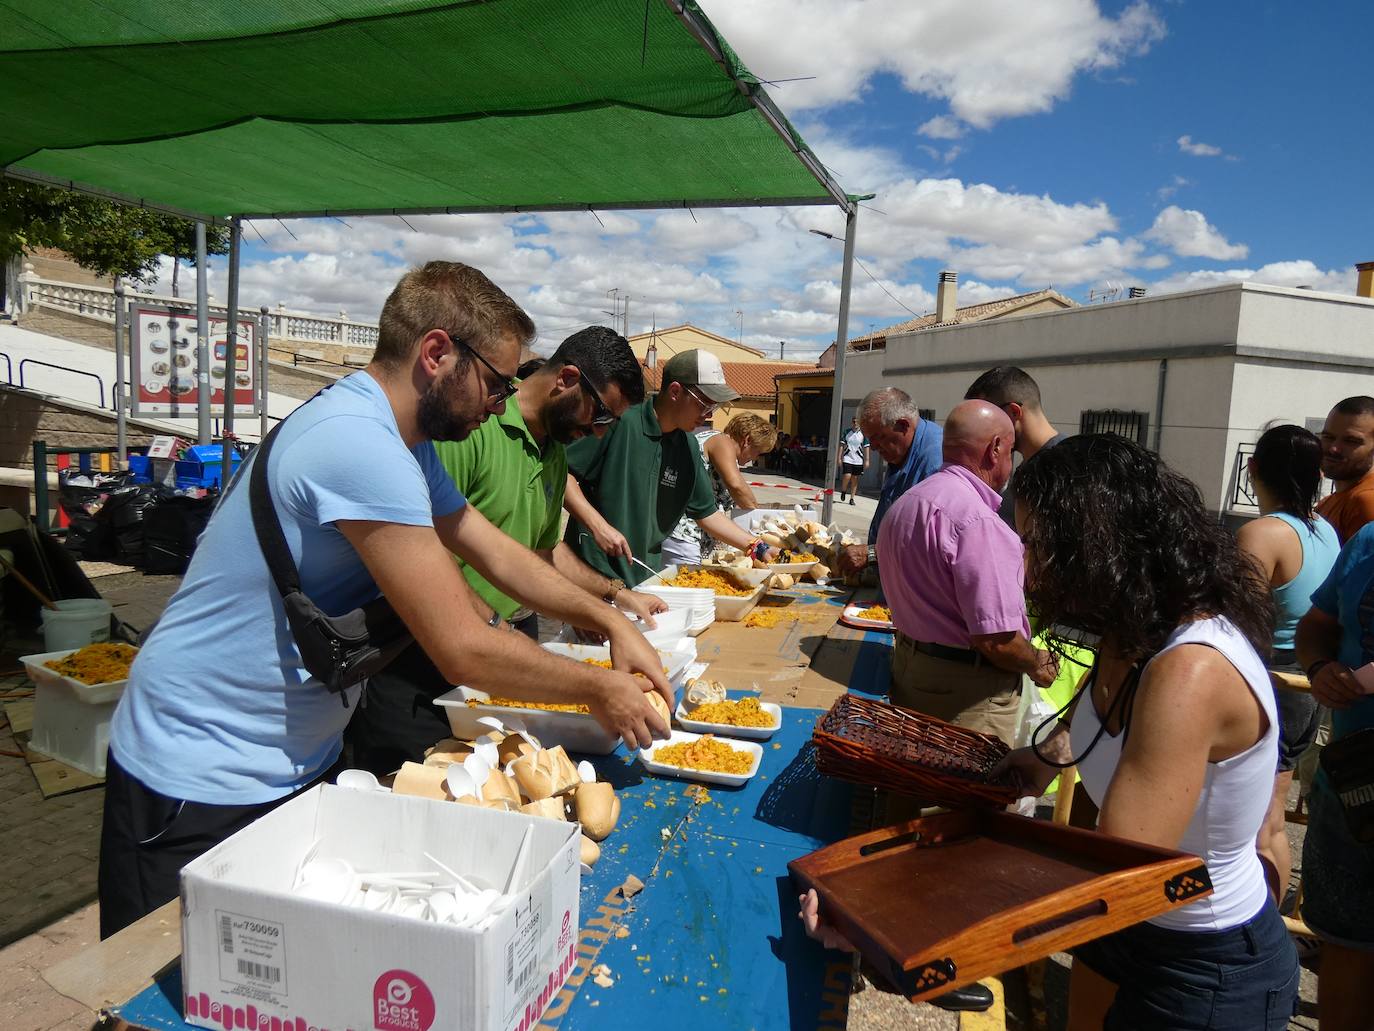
<point>884,746</point>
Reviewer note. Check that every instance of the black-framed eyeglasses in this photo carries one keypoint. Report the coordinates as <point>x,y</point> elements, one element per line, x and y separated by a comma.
<point>601,414</point>
<point>506,385</point>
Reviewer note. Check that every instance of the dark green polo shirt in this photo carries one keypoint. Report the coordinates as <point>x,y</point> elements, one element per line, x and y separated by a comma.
<point>643,481</point>
<point>512,481</point>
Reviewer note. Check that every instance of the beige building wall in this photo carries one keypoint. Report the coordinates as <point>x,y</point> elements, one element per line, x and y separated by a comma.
<point>669,342</point>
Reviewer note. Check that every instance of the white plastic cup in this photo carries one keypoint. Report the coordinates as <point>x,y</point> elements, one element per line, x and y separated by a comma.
<point>75,623</point>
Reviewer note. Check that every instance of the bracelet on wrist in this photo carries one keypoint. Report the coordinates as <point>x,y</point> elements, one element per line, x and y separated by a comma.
<point>1317,667</point>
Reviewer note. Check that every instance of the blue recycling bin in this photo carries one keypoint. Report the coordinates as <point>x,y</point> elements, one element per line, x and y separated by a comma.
<point>202,466</point>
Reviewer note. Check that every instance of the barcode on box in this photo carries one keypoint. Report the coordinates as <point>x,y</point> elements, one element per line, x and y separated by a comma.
<point>523,981</point>
<point>259,971</point>
<point>226,935</point>
<point>510,962</point>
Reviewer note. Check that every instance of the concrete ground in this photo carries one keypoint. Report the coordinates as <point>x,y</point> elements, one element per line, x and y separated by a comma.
<point>48,857</point>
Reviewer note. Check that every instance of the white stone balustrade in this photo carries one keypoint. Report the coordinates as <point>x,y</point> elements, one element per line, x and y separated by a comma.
<point>283,326</point>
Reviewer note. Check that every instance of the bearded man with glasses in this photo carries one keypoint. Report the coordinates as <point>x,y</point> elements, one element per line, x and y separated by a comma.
<point>513,469</point>
<point>629,488</point>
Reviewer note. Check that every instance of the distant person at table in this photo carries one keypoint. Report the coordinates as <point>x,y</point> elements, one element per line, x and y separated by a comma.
<point>513,469</point>
<point>911,447</point>
<point>853,456</point>
<point>628,489</point>
<point>1294,550</point>
<point>1348,461</point>
<point>1174,732</point>
<point>1016,393</point>
<point>952,573</point>
<point>745,437</point>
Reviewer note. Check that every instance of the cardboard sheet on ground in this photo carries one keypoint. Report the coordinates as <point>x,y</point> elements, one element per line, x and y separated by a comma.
<point>715,884</point>
<point>773,658</point>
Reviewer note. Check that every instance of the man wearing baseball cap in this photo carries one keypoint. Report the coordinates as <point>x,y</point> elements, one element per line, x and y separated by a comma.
<point>628,489</point>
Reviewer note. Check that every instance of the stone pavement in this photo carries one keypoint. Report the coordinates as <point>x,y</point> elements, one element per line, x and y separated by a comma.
<point>29,1004</point>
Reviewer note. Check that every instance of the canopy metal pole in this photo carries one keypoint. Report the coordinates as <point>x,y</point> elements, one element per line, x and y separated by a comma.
<point>230,356</point>
<point>121,429</point>
<point>841,344</point>
<point>263,417</point>
<point>202,340</point>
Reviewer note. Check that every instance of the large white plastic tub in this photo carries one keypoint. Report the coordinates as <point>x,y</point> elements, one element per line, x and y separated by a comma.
<point>71,720</point>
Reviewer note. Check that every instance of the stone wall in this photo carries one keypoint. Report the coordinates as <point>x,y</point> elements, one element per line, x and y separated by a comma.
<point>69,326</point>
<point>26,416</point>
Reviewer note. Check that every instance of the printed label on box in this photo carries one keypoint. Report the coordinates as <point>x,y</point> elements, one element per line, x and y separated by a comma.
<point>522,953</point>
<point>402,1002</point>
<point>252,957</point>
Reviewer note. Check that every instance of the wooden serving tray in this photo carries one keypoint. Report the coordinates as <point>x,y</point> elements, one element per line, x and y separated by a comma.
<point>947,900</point>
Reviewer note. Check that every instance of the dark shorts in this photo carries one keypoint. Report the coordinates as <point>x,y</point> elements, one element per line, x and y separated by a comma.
<point>1243,979</point>
<point>147,837</point>
<point>853,468</point>
<point>1299,714</point>
<point>1337,875</point>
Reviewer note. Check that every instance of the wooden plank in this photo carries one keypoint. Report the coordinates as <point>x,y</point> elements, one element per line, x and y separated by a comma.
<point>57,778</point>
<point>113,971</point>
<point>20,713</point>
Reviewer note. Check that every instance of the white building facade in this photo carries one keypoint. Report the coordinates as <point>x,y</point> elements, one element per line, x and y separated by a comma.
<point>1197,375</point>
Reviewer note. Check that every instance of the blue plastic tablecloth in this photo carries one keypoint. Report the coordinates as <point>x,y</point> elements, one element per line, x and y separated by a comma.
<point>713,938</point>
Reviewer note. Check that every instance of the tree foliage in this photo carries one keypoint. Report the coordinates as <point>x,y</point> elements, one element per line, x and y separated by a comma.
<point>109,239</point>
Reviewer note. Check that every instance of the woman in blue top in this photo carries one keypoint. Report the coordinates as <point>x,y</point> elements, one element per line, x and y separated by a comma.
<point>1295,549</point>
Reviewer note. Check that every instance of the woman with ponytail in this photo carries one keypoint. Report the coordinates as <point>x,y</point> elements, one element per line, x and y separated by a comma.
<point>1294,549</point>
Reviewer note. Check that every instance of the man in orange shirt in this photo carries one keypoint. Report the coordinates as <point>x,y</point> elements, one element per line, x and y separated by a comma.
<point>1348,460</point>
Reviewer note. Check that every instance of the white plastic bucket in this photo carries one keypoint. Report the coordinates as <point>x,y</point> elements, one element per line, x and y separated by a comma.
<point>75,623</point>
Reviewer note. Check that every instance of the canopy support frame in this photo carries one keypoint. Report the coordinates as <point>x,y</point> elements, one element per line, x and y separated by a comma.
<point>841,345</point>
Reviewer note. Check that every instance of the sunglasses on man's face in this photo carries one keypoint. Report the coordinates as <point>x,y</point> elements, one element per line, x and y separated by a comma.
<point>707,405</point>
<point>601,414</point>
<point>505,385</point>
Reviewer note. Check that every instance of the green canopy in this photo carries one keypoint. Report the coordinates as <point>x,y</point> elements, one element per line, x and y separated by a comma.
<point>265,108</point>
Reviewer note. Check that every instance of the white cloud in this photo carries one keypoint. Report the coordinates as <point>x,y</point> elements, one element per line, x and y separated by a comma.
<point>1278,273</point>
<point>1189,235</point>
<point>943,127</point>
<point>1198,149</point>
<point>988,59</point>
<point>1170,188</point>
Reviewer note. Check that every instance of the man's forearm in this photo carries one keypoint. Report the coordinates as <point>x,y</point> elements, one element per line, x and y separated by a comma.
<point>515,570</point>
<point>579,573</point>
<point>1317,639</point>
<point>1008,651</point>
<point>578,506</point>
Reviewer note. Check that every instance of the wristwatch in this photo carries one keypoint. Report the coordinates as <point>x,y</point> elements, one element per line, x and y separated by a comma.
<point>872,554</point>
<point>615,587</point>
<point>495,619</point>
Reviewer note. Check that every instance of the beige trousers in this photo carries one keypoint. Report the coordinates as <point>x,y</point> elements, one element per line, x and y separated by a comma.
<point>981,697</point>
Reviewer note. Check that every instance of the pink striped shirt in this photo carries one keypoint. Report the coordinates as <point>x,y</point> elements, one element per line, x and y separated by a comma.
<point>950,567</point>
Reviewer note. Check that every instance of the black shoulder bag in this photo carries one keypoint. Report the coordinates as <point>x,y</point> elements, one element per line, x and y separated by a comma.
<point>339,651</point>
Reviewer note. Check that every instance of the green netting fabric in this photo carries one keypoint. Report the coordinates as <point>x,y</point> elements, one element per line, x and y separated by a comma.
<point>275,106</point>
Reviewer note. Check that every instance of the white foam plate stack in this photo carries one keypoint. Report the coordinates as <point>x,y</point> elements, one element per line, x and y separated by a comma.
<point>699,603</point>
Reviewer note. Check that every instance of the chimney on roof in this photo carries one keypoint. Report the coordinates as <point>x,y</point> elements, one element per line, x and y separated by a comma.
<point>945,296</point>
<point>1364,279</point>
<point>1135,291</point>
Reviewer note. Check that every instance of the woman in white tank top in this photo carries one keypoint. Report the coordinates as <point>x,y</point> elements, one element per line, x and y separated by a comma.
<point>1174,732</point>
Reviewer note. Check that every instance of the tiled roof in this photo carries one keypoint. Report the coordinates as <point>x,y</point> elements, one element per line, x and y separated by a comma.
<point>968,313</point>
<point>751,379</point>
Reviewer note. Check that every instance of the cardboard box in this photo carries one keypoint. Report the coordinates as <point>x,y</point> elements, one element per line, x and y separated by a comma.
<point>255,955</point>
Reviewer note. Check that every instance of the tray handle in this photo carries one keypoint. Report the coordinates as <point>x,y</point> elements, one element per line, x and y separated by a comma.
<point>1077,917</point>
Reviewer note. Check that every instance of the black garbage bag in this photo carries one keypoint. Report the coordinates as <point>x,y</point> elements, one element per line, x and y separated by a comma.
<point>124,511</point>
<point>171,526</point>
<point>82,497</point>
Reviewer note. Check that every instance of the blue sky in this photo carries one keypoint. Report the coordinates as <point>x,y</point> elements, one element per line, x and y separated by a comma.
<point>1171,145</point>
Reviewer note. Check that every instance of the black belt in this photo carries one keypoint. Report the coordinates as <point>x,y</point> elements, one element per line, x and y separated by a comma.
<point>943,651</point>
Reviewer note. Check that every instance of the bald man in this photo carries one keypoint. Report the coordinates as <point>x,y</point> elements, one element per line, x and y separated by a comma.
<point>955,584</point>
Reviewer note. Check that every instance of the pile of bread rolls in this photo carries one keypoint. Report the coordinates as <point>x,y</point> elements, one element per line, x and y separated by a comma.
<point>510,770</point>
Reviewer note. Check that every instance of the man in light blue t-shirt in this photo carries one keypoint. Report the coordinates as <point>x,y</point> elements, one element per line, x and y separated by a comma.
<point>220,721</point>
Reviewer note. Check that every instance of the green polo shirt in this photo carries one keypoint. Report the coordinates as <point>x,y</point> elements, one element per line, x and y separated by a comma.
<point>643,481</point>
<point>516,484</point>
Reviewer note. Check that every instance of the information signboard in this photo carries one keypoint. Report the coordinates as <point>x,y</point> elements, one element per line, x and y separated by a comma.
<point>165,374</point>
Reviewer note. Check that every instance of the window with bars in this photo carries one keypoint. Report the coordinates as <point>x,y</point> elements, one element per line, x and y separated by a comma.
<point>1131,425</point>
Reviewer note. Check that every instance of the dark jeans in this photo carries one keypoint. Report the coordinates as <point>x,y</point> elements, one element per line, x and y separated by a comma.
<point>147,837</point>
<point>398,720</point>
<point>1242,979</point>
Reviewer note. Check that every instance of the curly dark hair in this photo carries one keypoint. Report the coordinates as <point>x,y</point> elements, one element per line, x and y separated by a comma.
<point>1120,545</point>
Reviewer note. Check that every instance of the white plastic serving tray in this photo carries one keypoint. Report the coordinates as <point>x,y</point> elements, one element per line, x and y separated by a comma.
<point>575,731</point>
<point>732,780</point>
<point>728,729</point>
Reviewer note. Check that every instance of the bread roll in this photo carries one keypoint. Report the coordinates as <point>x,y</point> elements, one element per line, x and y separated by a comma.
<point>597,809</point>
